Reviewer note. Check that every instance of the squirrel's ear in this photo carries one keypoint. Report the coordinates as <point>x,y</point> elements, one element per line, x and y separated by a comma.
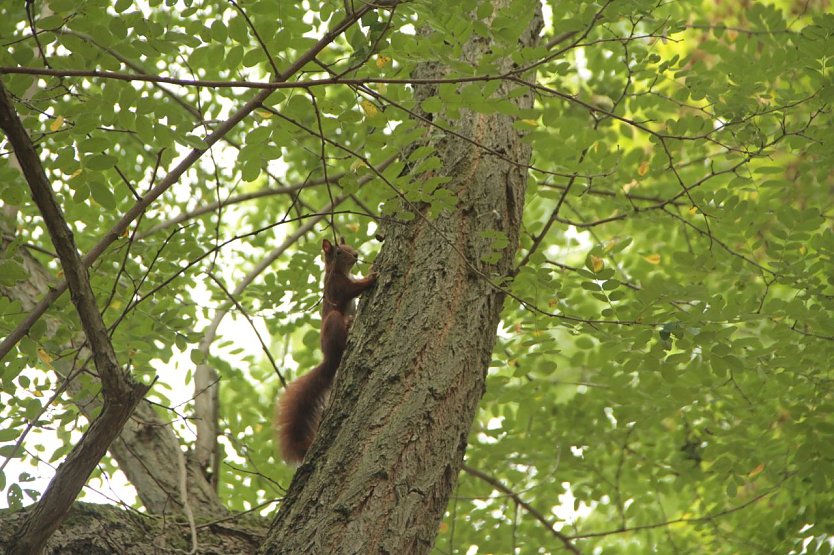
<point>342,240</point>
<point>325,245</point>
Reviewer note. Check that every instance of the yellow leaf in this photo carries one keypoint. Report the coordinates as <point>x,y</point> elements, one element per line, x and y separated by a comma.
<point>264,114</point>
<point>57,124</point>
<point>382,61</point>
<point>633,184</point>
<point>552,302</point>
<point>531,122</point>
<point>693,210</point>
<point>602,101</point>
<point>802,249</point>
<point>369,108</point>
<point>732,35</point>
<point>126,233</point>
<point>682,522</point>
<point>652,258</point>
<point>76,173</point>
<point>44,356</point>
<point>644,168</point>
<point>354,227</point>
<point>597,264</point>
<point>357,164</point>
<point>443,528</point>
<point>755,471</point>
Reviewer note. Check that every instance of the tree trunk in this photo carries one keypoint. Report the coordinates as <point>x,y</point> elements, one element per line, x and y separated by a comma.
<point>379,475</point>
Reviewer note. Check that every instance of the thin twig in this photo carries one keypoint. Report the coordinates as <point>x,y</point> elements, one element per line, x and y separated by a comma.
<point>252,325</point>
<point>494,482</point>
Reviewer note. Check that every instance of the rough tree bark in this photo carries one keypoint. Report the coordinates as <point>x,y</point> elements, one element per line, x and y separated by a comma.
<point>379,475</point>
<point>91,529</point>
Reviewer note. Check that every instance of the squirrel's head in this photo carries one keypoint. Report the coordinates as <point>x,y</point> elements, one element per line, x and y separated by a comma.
<point>341,256</point>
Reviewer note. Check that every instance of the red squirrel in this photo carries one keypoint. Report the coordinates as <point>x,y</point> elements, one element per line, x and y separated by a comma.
<point>299,410</point>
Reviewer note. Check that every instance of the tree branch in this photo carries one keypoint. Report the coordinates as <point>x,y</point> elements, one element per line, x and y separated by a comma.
<point>121,393</point>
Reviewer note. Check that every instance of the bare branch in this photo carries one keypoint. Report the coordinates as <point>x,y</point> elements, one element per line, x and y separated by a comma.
<point>223,84</point>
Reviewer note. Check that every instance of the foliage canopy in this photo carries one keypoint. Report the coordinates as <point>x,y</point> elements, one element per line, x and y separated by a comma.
<point>664,360</point>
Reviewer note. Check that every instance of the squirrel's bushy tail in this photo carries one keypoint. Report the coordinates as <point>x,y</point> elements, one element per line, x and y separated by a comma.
<point>298,413</point>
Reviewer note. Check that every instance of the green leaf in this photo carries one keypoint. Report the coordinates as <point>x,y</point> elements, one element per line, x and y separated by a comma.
<point>8,434</point>
<point>100,162</point>
<point>14,497</point>
<point>102,194</point>
<point>11,272</point>
<point>197,356</point>
<point>433,104</point>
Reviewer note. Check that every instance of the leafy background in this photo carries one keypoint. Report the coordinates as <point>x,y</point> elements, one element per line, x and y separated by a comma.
<point>662,379</point>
